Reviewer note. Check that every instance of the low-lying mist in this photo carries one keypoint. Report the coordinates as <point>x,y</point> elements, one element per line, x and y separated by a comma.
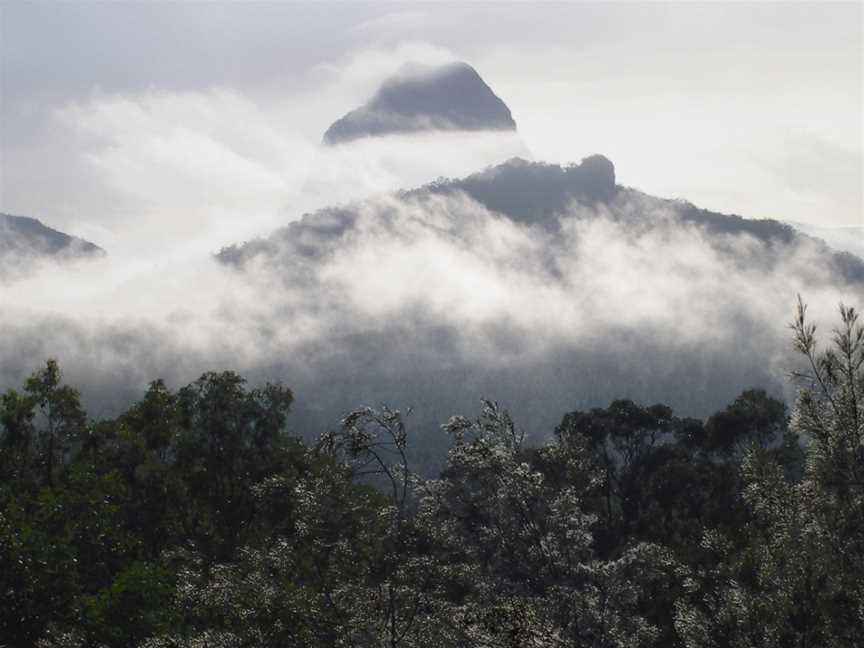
<point>431,300</point>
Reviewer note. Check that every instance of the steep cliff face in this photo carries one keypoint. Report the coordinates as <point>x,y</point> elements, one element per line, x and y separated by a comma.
<point>450,97</point>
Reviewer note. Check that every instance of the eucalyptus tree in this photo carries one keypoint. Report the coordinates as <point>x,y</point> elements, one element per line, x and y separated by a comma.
<point>519,548</point>
<point>799,579</point>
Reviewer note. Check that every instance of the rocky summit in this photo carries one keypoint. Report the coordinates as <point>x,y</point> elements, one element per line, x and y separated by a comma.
<point>423,98</point>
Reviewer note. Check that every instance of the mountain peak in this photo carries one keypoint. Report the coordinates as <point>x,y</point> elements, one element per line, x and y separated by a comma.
<point>423,98</point>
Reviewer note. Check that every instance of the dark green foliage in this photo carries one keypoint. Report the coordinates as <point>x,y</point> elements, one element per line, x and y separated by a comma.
<point>136,605</point>
<point>195,519</point>
<point>228,440</point>
<point>753,418</point>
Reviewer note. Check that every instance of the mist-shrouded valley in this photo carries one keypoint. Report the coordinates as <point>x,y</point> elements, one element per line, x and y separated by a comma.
<point>341,340</point>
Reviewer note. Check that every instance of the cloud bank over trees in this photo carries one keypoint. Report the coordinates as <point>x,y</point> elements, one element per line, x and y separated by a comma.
<point>532,283</point>
<point>465,286</point>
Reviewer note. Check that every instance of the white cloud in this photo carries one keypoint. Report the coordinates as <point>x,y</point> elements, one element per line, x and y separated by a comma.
<point>613,280</point>
<point>204,167</point>
<point>354,78</point>
<point>396,22</point>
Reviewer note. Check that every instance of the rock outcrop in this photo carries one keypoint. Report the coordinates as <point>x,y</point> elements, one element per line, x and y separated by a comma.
<point>450,97</point>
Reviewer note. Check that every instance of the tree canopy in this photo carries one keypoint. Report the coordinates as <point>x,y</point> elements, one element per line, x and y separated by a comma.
<point>195,518</point>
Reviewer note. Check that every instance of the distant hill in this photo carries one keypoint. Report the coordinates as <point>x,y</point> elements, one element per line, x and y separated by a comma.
<point>528,192</point>
<point>536,194</point>
<point>24,239</point>
<point>420,98</point>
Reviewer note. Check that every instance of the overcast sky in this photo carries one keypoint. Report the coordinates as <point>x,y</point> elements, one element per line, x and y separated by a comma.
<point>111,112</point>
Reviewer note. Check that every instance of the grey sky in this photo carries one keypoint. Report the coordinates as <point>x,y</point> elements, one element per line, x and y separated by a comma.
<point>747,108</point>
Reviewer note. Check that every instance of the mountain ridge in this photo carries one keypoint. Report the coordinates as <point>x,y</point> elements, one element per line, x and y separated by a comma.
<point>24,235</point>
<point>535,194</point>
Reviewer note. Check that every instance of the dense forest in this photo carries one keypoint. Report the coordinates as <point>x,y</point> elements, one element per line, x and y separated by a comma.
<point>196,518</point>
